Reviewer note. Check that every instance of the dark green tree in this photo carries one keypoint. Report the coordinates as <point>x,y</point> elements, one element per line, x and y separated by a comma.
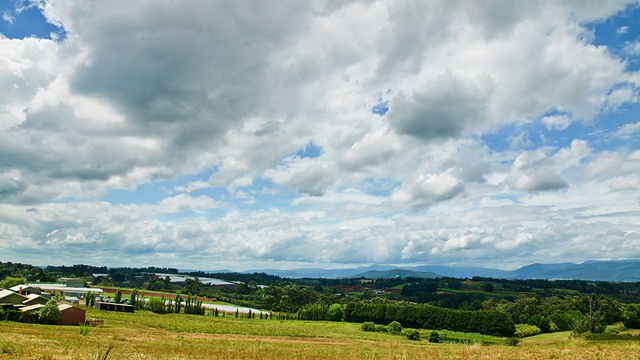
<point>488,287</point>
<point>118,296</point>
<point>50,313</point>
<point>134,296</point>
<point>434,337</point>
<point>335,312</point>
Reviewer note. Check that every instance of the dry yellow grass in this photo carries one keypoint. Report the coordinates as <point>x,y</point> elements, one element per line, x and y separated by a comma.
<point>244,339</point>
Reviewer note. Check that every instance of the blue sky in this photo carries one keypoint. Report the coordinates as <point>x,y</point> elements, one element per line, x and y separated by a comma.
<point>221,137</point>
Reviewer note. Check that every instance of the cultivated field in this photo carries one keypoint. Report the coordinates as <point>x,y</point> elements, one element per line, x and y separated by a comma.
<point>145,335</point>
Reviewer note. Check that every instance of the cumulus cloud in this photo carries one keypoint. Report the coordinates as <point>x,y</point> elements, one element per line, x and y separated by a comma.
<point>532,171</point>
<point>427,190</point>
<point>632,48</point>
<point>444,108</point>
<point>229,95</point>
<point>627,131</point>
<point>556,122</point>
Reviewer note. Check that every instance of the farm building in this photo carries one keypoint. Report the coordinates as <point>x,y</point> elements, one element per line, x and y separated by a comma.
<point>33,299</point>
<point>9,298</point>
<point>67,290</point>
<point>72,282</point>
<point>71,315</point>
<point>114,307</point>
<point>25,290</point>
<point>35,307</point>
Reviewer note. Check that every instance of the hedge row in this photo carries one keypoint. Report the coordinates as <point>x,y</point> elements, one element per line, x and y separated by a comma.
<point>524,330</point>
<point>430,317</point>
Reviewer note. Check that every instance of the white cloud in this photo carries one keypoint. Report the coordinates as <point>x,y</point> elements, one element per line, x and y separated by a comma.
<point>183,202</point>
<point>427,190</point>
<point>6,16</point>
<point>225,94</point>
<point>627,131</point>
<point>556,122</point>
<point>625,184</point>
<point>632,48</point>
<point>532,171</point>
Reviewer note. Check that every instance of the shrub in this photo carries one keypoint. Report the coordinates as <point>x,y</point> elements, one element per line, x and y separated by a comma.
<point>561,320</point>
<point>512,341</point>
<point>50,313</point>
<point>630,316</point>
<point>368,326</point>
<point>615,329</point>
<point>411,334</point>
<point>524,330</point>
<point>335,312</point>
<point>541,322</point>
<point>118,297</point>
<point>156,305</point>
<point>434,337</point>
<point>84,330</point>
<point>394,328</point>
<point>381,328</point>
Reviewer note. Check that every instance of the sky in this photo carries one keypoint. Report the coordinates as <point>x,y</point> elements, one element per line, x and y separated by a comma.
<point>246,135</point>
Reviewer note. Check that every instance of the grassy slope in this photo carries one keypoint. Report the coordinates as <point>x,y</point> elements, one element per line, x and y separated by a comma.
<point>145,335</point>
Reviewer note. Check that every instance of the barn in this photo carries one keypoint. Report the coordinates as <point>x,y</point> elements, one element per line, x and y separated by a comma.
<point>71,315</point>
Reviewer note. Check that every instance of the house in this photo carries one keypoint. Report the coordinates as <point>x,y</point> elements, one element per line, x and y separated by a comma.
<point>25,290</point>
<point>9,298</point>
<point>71,315</point>
<point>33,299</point>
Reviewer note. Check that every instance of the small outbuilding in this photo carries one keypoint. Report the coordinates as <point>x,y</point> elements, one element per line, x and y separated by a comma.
<point>115,307</point>
<point>71,315</point>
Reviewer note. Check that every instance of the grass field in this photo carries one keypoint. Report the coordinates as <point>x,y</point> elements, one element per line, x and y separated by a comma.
<point>145,335</point>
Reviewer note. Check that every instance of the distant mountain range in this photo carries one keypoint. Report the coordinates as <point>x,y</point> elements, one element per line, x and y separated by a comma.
<point>623,270</point>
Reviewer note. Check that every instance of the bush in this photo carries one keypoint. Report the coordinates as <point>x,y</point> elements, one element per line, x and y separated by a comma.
<point>84,330</point>
<point>434,337</point>
<point>10,315</point>
<point>615,329</point>
<point>630,316</point>
<point>524,330</point>
<point>411,334</point>
<point>335,312</point>
<point>156,305</point>
<point>118,296</point>
<point>394,328</point>
<point>541,322</point>
<point>561,320</point>
<point>512,341</point>
<point>50,313</point>
<point>381,328</point>
<point>368,326</point>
